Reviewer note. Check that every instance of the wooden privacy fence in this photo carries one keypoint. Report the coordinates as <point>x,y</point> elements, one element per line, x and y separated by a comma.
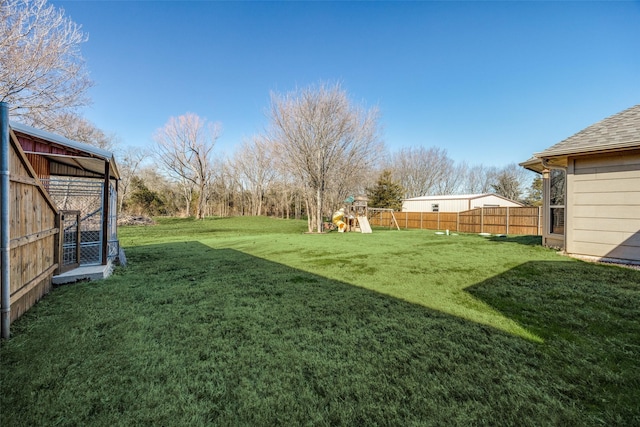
<point>33,231</point>
<point>525,221</point>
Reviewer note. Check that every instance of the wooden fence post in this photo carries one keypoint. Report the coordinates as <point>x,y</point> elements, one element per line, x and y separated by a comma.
<point>539,220</point>
<point>482,219</point>
<point>507,220</point>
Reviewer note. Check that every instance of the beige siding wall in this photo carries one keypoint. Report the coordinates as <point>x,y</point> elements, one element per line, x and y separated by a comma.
<point>603,206</point>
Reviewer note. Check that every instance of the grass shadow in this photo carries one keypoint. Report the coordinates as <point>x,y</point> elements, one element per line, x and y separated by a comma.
<point>588,317</point>
<point>188,334</point>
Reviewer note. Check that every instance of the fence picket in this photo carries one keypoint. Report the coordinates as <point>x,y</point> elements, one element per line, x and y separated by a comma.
<point>498,220</point>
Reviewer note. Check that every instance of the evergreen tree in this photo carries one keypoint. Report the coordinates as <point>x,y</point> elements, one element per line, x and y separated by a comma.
<point>534,196</point>
<point>386,193</point>
<point>144,201</point>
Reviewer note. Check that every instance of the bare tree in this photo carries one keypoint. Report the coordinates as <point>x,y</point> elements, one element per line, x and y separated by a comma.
<point>227,191</point>
<point>42,73</point>
<point>80,129</point>
<point>184,150</point>
<point>128,164</point>
<point>479,179</point>
<point>282,194</point>
<point>219,190</point>
<point>318,131</point>
<point>254,163</point>
<point>422,171</point>
<point>287,184</point>
<point>453,180</point>
<point>511,182</point>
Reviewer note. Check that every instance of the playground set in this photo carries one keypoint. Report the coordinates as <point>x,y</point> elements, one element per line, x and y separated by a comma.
<point>353,217</point>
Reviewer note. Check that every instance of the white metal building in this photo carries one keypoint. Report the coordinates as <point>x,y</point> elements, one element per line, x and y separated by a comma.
<point>456,203</point>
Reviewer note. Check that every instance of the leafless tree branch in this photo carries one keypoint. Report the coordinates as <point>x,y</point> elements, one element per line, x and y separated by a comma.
<point>324,139</point>
<point>42,72</point>
<point>184,149</point>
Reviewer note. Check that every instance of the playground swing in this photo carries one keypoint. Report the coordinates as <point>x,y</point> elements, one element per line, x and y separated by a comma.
<point>393,221</point>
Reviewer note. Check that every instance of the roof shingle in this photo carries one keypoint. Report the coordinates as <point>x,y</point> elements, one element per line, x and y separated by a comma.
<point>619,131</point>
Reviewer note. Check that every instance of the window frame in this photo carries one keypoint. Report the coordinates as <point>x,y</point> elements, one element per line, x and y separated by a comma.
<point>557,202</point>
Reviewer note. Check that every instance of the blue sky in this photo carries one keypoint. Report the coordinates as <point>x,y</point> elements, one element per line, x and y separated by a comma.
<point>491,82</point>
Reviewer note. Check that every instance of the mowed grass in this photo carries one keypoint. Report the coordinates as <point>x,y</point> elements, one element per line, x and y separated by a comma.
<point>248,321</point>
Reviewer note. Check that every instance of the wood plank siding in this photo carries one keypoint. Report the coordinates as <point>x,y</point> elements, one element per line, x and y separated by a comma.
<point>603,211</point>
<point>40,165</point>
<point>33,234</point>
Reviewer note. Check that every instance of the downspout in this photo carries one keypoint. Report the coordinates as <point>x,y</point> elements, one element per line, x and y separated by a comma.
<point>5,240</point>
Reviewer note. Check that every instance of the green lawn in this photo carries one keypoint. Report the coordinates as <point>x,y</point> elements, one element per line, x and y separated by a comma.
<point>248,321</point>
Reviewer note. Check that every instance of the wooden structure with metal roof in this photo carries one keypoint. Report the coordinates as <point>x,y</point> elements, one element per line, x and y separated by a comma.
<point>70,170</point>
<point>59,200</point>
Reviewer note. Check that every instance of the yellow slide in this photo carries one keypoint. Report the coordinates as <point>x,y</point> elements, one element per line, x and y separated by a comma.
<point>337,220</point>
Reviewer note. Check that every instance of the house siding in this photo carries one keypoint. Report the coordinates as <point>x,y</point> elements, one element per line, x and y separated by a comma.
<point>603,210</point>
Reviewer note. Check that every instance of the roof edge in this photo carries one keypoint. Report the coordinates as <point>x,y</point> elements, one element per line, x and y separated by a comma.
<point>450,196</point>
<point>635,145</point>
<point>534,164</point>
<point>457,197</point>
<point>59,139</point>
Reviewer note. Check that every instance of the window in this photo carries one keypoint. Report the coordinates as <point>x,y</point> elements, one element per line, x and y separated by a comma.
<point>556,201</point>
<point>435,207</point>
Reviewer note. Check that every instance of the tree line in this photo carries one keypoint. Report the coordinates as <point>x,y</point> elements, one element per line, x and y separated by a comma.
<point>319,147</point>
